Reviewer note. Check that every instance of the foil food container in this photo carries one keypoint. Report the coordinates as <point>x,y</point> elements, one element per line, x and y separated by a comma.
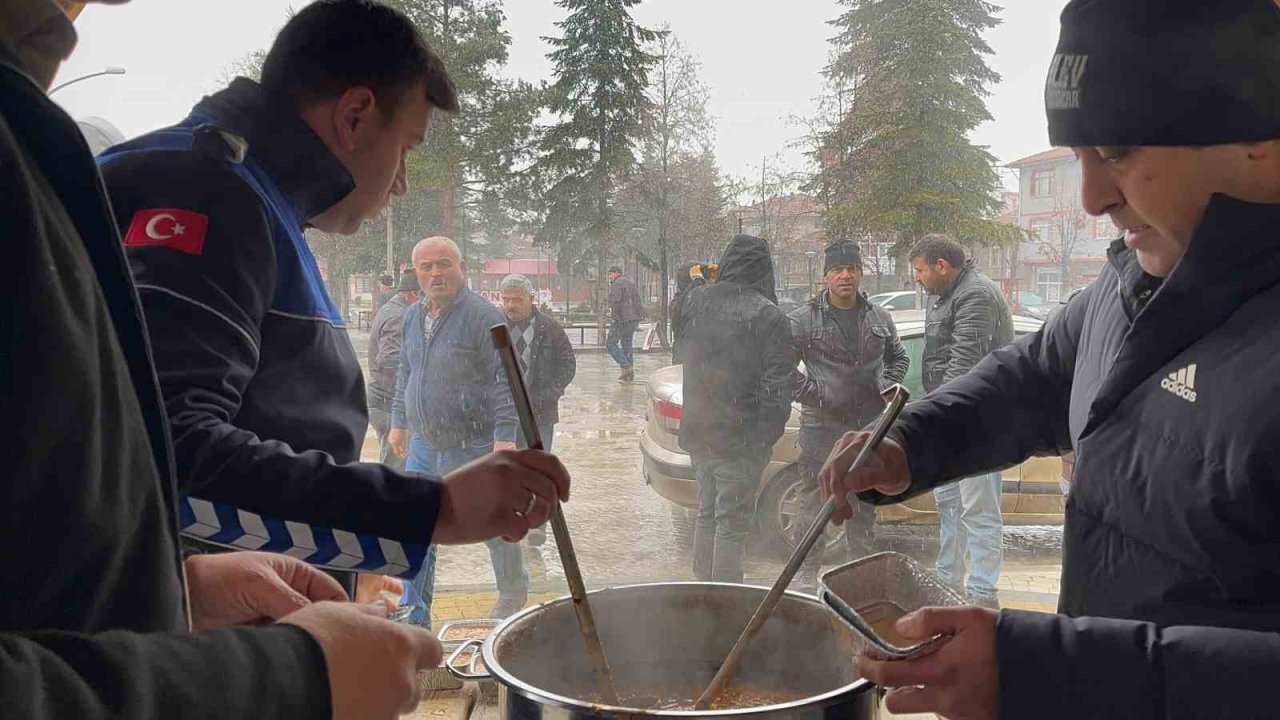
<point>871,593</point>
<point>456,633</point>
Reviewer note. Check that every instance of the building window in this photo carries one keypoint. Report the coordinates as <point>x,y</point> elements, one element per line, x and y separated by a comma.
<point>1042,229</point>
<point>1041,183</point>
<point>1049,284</point>
<point>364,284</point>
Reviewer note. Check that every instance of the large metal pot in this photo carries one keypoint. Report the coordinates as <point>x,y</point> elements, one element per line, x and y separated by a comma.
<point>664,642</point>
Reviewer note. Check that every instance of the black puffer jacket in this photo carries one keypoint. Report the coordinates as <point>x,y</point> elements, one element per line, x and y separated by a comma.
<point>963,326</point>
<point>1173,521</point>
<point>738,357</point>
<point>840,387</point>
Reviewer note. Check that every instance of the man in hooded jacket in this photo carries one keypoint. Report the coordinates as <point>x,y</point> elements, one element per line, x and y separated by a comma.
<point>688,277</point>
<point>738,361</point>
<point>1159,376</point>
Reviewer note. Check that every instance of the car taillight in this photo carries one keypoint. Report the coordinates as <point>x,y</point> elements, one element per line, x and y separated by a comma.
<point>669,415</point>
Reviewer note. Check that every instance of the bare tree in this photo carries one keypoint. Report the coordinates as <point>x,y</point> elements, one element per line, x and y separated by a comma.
<point>1068,228</point>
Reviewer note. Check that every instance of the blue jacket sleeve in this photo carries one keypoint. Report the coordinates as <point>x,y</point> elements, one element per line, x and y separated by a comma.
<point>204,313</point>
<point>1053,666</point>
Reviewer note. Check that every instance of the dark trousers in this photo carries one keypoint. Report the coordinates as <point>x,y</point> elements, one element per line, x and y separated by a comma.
<point>859,530</point>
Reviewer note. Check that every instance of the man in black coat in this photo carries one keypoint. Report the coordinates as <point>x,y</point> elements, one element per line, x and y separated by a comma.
<point>547,359</point>
<point>1160,376</point>
<point>738,362</point>
<point>851,354</point>
<point>966,320</point>
<point>625,314</point>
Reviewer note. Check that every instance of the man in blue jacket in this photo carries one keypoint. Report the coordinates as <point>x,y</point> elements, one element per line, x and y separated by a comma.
<point>452,396</point>
<point>264,395</point>
<point>1160,376</point>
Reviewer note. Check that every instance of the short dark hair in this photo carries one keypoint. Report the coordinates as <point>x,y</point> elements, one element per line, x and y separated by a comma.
<point>385,280</point>
<point>331,46</point>
<point>937,247</point>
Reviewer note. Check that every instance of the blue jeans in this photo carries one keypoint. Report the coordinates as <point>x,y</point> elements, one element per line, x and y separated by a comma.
<point>508,565</point>
<point>618,341</point>
<point>969,520</point>
<point>726,501</point>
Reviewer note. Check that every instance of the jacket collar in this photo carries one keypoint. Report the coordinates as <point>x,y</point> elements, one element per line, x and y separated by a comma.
<point>291,153</point>
<point>1234,254</point>
<point>966,270</point>
<point>823,302</point>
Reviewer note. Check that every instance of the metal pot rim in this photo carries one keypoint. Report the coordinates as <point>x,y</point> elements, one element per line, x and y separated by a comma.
<point>496,670</point>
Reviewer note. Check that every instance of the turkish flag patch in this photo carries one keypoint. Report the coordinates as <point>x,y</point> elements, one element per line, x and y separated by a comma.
<point>181,230</point>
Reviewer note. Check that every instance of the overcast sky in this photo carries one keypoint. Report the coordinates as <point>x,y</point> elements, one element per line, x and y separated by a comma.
<point>761,61</point>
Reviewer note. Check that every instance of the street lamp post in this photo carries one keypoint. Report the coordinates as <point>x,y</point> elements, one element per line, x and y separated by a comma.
<point>113,70</point>
<point>810,255</point>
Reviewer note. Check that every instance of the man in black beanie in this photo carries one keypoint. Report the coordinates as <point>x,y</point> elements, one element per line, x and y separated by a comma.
<point>851,354</point>
<point>1158,376</point>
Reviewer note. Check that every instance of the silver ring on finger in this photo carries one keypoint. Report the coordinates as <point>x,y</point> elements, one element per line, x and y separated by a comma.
<point>533,501</point>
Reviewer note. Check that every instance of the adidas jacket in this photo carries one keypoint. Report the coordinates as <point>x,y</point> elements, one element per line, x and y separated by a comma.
<point>1170,603</point>
<point>262,388</point>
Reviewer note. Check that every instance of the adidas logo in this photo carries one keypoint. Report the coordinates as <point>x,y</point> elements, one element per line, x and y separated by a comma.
<point>1182,383</point>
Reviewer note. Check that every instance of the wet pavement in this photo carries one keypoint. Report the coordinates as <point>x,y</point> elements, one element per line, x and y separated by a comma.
<point>624,532</point>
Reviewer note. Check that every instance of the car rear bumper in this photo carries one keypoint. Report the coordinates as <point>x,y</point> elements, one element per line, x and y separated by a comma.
<point>669,473</point>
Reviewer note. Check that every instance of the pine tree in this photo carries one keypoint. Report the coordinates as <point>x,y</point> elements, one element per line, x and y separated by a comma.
<point>599,96</point>
<point>911,81</point>
<point>469,164</point>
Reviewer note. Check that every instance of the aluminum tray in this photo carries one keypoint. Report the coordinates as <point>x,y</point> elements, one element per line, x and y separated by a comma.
<point>451,644</point>
<point>854,588</point>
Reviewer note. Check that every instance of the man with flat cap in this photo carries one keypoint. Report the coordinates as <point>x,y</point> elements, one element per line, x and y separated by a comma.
<point>1158,376</point>
<point>851,354</point>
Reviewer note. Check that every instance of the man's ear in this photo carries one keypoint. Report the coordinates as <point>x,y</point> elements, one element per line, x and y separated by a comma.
<point>352,114</point>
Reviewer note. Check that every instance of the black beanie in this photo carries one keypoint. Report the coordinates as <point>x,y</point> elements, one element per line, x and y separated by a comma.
<point>841,252</point>
<point>1165,72</point>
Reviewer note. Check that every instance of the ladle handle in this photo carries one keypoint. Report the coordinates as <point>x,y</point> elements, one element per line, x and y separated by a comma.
<point>568,558</point>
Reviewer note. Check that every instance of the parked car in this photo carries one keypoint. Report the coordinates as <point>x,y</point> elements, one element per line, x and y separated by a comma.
<point>1032,492</point>
<point>790,299</point>
<point>900,300</point>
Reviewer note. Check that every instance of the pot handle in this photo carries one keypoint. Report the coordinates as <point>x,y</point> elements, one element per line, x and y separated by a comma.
<point>465,673</point>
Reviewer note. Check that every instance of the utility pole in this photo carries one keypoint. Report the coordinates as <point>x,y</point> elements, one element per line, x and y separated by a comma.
<point>764,201</point>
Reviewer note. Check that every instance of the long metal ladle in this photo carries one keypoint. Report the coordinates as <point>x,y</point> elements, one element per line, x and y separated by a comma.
<point>577,590</point>
<point>730,666</point>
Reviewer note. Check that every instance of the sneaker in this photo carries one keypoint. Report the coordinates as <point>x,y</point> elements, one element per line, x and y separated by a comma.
<point>506,607</point>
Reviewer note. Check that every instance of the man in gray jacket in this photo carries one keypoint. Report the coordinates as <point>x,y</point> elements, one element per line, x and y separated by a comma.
<point>1160,376</point>
<point>967,319</point>
<point>625,314</point>
<point>385,338</point>
<point>851,354</point>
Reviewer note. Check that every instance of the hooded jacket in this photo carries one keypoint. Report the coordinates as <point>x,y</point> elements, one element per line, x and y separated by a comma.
<point>963,326</point>
<point>264,394</point>
<point>93,620</point>
<point>738,357</point>
<point>1170,601</point>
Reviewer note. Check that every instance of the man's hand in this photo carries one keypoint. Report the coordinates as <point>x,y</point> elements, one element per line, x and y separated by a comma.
<point>960,681</point>
<point>886,472</point>
<point>373,663</point>
<point>503,445</point>
<point>399,439</point>
<point>500,495</point>
<point>247,588</point>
